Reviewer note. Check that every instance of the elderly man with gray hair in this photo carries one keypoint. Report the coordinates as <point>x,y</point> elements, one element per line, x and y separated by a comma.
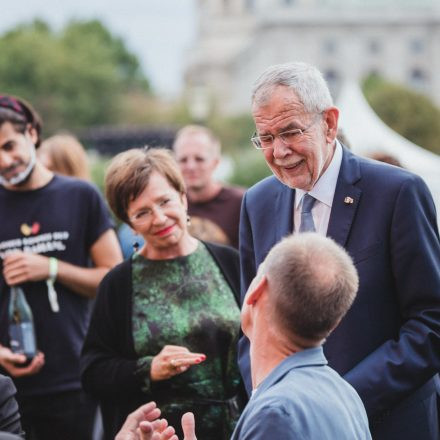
<point>301,292</point>
<point>388,345</point>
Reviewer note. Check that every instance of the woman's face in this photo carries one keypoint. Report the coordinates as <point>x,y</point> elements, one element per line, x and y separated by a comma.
<point>159,214</point>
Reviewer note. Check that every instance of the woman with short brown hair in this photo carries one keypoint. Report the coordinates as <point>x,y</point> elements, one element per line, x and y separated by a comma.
<point>166,321</point>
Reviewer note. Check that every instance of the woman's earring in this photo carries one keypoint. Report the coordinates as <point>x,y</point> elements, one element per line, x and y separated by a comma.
<point>188,220</point>
<point>135,246</point>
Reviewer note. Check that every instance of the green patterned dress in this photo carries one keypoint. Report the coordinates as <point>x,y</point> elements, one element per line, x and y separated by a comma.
<point>186,301</point>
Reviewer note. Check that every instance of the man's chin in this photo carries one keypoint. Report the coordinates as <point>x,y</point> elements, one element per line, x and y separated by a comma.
<point>9,181</point>
<point>302,183</point>
<point>195,187</point>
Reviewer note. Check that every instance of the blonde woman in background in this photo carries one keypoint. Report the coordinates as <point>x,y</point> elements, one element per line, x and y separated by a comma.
<point>64,154</point>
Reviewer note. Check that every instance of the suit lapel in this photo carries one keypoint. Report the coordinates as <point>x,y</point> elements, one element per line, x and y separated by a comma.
<point>283,212</point>
<point>346,199</point>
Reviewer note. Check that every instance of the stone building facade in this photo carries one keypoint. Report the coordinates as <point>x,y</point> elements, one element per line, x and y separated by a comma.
<point>346,39</point>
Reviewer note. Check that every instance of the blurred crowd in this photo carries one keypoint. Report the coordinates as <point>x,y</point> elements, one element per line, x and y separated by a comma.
<point>306,306</point>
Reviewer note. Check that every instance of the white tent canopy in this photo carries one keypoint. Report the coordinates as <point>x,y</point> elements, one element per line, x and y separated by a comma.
<point>367,133</point>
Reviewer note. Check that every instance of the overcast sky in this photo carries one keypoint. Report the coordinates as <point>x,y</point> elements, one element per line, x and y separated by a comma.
<point>157,31</point>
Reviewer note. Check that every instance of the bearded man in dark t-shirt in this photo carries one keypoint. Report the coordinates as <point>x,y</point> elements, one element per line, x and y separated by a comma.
<point>214,208</point>
<point>57,243</point>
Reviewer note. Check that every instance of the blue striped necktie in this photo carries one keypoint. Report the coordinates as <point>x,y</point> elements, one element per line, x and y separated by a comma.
<point>307,224</point>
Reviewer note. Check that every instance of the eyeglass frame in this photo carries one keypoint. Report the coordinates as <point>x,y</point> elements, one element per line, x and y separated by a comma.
<point>255,139</point>
<point>144,215</point>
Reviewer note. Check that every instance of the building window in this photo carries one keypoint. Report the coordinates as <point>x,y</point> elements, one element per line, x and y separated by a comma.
<point>250,5</point>
<point>416,45</point>
<point>226,6</point>
<point>374,73</point>
<point>374,46</point>
<point>330,47</point>
<point>418,78</point>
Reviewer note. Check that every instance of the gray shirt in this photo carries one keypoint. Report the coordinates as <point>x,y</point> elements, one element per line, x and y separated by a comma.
<point>303,398</point>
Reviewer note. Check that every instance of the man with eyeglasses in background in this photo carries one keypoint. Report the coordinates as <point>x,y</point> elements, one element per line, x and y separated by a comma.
<point>213,204</point>
<point>388,345</point>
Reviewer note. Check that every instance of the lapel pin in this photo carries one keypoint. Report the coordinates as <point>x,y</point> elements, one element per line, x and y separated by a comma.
<point>348,201</point>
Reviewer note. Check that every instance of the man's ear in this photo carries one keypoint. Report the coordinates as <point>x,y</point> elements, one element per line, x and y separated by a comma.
<point>257,290</point>
<point>331,119</point>
<point>32,132</point>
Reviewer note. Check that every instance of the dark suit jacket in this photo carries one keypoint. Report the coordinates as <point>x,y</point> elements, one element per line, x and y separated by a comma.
<point>388,345</point>
<point>9,415</point>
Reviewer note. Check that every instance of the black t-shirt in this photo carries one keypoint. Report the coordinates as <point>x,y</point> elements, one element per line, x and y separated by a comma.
<point>223,210</point>
<point>62,219</point>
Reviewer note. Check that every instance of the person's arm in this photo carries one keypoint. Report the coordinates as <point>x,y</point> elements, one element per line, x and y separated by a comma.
<point>9,414</point>
<point>247,255</point>
<point>20,267</point>
<point>105,254</point>
<point>247,273</point>
<point>108,361</point>
<point>109,364</point>
<point>401,365</point>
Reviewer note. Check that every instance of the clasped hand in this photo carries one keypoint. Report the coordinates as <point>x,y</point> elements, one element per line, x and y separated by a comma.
<point>11,363</point>
<point>21,267</point>
<point>144,424</point>
<point>173,360</point>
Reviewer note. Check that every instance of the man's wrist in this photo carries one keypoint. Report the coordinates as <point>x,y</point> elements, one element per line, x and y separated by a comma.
<point>51,292</point>
<point>53,268</point>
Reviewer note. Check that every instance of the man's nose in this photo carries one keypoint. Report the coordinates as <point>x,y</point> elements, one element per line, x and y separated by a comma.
<point>190,164</point>
<point>6,160</point>
<point>280,149</point>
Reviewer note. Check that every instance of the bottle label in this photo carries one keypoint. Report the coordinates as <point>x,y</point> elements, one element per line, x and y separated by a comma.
<point>22,339</point>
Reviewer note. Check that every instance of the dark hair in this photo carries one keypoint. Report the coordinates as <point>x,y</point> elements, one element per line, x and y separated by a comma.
<point>129,173</point>
<point>312,283</point>
<point>20,114</point>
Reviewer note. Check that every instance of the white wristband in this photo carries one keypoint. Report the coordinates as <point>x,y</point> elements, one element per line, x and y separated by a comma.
<point>51,292</point>
<point>53,268</point>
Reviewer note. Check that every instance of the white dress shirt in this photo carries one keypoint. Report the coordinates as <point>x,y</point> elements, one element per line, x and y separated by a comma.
<point>323,192</point>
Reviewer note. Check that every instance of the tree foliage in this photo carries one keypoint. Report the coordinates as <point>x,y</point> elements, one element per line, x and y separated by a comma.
<point>75,77</point>
<point>234,131</point>
<point>409,113</point>
<point>249,168</point>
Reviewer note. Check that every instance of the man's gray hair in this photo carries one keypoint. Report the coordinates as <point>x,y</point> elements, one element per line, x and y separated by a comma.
<point>312,283</point>
<point>304,79</point>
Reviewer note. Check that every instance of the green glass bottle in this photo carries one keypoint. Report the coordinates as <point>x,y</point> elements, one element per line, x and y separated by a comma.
<point>21,324</point>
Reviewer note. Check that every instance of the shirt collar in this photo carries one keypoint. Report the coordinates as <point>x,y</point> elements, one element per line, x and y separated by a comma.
<point>305,358</point>
<point>324,188</point>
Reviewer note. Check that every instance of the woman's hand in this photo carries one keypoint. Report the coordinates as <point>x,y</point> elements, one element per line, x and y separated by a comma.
<point>173,360</point>
<point>11,363</point>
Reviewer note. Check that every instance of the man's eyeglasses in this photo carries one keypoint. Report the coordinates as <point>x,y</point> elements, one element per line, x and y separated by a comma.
<point>287,137</point>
